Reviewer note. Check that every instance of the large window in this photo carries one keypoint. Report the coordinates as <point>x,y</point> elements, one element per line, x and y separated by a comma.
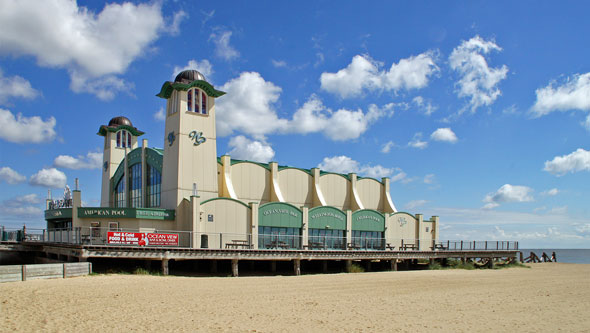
<point>123,139</point>
<point>278,237</point>
<point>327,238</point>
<point>135,185</point>
<point>370,240</point>
<point>196,101</point>
<point>154,186</point>
<point>120,193</point>
<point>172,105</point>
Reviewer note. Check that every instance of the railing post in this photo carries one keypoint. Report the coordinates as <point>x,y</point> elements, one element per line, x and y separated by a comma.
<point>474,245</point>
<point>448,244</point>
<point>461,245</point>
<point>486,245</point>
<point>497,245</point>
<point>221,240</point>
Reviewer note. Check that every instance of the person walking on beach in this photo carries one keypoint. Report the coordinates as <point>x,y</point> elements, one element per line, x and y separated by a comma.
<point>553,257</point>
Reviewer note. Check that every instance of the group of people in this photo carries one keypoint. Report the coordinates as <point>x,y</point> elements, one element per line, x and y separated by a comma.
<point>547,259</point>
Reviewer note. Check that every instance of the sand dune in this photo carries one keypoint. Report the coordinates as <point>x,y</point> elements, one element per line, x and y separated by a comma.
<point>547,297</point>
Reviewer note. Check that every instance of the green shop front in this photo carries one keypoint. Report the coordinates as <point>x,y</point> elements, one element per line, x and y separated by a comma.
<point>279,226</point>
<point>327,228</point>
<point>368,228</point>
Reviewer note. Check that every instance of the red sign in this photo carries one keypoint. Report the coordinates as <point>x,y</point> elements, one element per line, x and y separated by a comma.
<point>141,238</point>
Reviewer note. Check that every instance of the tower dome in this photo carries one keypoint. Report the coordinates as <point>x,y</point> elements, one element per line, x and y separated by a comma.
<point>189,76</point>
<point>120,120</point>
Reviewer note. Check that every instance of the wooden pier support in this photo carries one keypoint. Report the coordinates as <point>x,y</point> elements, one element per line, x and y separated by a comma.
<point>297,267</point>
<point>234,267</point>
<point>368,266</point>
<point>165,267</point>
<point>325,266</point>
<point>431,261</point>
<point>393,265</point>
<point>348,265</point>
<point>214,266</point>
<point>273,266</point>
<point>490,263</point>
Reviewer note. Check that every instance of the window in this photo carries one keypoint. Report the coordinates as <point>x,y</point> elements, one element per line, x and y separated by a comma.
<point>120,193</point>
<point>154,186</point>
<point>328,238</point>
<point>135,185</point>
<point>196,101</point>
<point>172,105</point>
<point>279,237</point>
<point>368,239</point>
<point>114,226</point>
<point>123,139</point>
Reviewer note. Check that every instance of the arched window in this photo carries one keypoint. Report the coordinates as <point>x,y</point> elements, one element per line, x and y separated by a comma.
<point>196,101</point>
<point>154,187</point>
<point>123,139</point>
<point>120,193</point>
<point>135,185</point>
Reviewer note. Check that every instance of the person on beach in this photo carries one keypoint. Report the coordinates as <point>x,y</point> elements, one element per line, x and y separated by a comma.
<point>545,257</point>
<point>553,257</point>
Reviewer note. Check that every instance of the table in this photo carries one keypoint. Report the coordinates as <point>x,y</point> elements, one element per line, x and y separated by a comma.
<point>238,243</point>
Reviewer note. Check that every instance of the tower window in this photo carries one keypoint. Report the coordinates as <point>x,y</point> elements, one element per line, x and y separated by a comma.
<point>123,139</point>
<point>196,101</point>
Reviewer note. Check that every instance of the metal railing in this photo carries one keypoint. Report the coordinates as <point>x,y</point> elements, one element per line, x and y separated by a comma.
<point>211,240</point>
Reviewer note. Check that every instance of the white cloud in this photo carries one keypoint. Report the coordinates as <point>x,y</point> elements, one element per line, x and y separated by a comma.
<point>93,47</point>
<point>444,134</point>
<point>204,67</point>
<point>574,162</point>
<point>174,28</point>
<point>207,16</point>
<point>424,105</point>
<point>21,129</point>
<point>223,49</point>
<point>586,123</point>
<point>552,192</point>
<point>246,149</point>
<point>22,206</point>
<point>92,160</point>
<point>15,86</point>
<point>10,176</point>
<point>417,142</point>
<point>415,204</point>
<point>574,94</point>
<point>429,178</point>
<point>387,147</point>
<point>400,176</point>
<point>160,115</point>
<point>49,178</point>
<point>279,63</point>
<point>248,106</point>
<point>561,210</point>
<point>508,193</point>
<point>345,165</point>
<point>364,74</point>
<point>478,81</point>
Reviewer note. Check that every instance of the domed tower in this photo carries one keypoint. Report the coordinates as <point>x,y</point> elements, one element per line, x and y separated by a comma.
<point>119,137</point>
<point>190,145</point>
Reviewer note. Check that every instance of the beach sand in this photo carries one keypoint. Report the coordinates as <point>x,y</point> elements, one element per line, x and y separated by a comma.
<point>547,297</point>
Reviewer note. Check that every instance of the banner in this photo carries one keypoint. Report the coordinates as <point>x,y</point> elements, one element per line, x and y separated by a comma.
<point>141,238</point>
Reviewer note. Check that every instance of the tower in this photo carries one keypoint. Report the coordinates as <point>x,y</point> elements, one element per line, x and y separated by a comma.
<point>119,137</point>
<point>190,145</point>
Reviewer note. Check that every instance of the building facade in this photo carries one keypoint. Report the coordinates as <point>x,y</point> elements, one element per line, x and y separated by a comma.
<point>211,201</point>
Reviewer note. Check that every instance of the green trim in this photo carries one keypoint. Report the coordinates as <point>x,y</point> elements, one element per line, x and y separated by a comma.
<point>128,213</point>
<point>412,215</point>
<point>102,131</point>
<point>58,214</point>
<point>154,158</point>
<point>280,214</point>
<point>230,199</point>
<point>117,175</point>
<point>368,220</point>
<point>134,156</point>
<point>368,178</point>
<point>266,166</point>
<point>327,216</point>
<point>300,169</point>
<point>168,87</point>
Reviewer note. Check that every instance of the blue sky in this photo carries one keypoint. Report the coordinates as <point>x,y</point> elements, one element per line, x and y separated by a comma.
<point>479,112</point>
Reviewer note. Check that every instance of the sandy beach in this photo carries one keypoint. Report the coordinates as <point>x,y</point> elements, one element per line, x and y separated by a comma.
<point>547,297</point>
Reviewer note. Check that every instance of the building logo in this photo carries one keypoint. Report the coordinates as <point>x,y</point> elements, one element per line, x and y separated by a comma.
<point>105,166</point>
<point>402,221</point>
<point>171,138</point>
<point>197,137</point>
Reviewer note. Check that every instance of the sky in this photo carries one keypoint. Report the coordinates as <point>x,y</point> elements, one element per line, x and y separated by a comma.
<point>478,111</point>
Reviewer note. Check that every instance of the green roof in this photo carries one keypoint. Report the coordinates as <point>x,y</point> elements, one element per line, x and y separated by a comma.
<point>168,87</point>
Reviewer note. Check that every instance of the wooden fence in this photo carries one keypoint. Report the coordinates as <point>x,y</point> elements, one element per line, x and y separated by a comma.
<point>10,273</point>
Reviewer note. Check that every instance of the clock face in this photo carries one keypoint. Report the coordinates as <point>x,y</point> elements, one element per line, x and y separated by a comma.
<point>105,165</point>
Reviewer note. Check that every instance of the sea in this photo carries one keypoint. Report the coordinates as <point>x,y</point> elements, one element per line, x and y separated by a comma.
<point>574,256</point>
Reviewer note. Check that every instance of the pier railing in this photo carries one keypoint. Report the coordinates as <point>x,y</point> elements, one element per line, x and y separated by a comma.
<point>232,241</point>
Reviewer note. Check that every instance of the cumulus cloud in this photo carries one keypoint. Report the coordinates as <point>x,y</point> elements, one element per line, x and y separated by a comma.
<point>246,149</point>
<point>174,28</point>
<point>424,105</point>
<point>387,147</point>
<point>344,164</point>
<point>92,160</point>
<point>508,193</point>
<point>574,162</point>
<point>417,142</point>
<point>364,74</point>
<point>22,206</point>
<point>279,63</point>
<point>160,115</point>
<point>429,178</point>
<point>444,134</point>
<point>93,47</point>
<point>21,129</point>
<point>223,49</point>
<point>415,204</point>
<point>552,192</point>
<point>478,81</point>
<point>203,66</point>
<point>573,94</point>
<point>10,176</point>
<point>49,178</point>
<point>15,86</point>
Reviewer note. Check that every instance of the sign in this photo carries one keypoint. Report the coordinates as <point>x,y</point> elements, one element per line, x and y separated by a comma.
<point>279,214</point>
<point>368,220</point>
<point>142,238</point>
<point>140,213</point>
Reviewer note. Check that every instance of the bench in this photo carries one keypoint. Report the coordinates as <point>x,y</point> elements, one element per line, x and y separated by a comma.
<point>408,246</point>
<point>439,246</point>
<point>353,246</point>
<point>314,245</point>
<point>277,244</point>
<point>389,246</point>
<point>238,243</point>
